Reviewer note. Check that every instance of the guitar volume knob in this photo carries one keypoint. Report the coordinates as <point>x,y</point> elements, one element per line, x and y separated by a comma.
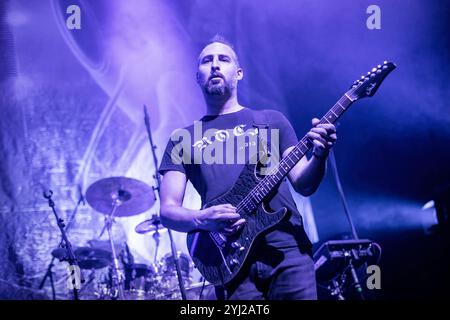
<point>234,262</point>
<point>236,245</point>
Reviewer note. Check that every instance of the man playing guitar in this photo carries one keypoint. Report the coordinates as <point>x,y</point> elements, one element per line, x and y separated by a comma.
<point>280,265</point>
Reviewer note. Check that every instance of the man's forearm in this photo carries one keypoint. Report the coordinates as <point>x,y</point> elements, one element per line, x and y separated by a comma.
<point>179,218</point>
<point>309,178</point>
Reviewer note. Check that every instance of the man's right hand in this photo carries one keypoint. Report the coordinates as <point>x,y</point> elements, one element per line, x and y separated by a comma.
<point>222,217</point>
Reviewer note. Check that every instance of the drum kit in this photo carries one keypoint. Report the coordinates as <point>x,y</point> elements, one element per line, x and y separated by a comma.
<point>124,279</point>
<point>110,279</point>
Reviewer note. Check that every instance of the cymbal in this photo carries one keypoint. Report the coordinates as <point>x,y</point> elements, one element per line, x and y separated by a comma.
<point>131,196</point>
<point>149,225</point>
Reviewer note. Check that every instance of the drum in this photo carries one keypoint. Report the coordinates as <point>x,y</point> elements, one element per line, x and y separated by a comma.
<point>141,282</point>
<point>97,285</point>
<point>168,272</point>
<point>168,264</point>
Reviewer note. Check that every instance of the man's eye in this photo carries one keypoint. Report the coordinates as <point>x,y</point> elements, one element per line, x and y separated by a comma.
<point>227,59</point>
<point>206,60</point>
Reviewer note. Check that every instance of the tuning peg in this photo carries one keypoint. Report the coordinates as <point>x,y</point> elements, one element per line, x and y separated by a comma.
<point>368,72</point>
<point>379,66</point>
<point>372,75</point>
<point>378,71</point>
<point>362,77</point>
<point>385,62</point>
<point>374,69</point>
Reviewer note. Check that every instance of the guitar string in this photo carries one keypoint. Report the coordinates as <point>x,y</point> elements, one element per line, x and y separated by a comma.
<point>271,179</point>
<point>247,199</point>
<point>276,170</point>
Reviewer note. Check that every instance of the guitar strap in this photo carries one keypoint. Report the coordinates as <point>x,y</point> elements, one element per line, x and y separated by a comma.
<point>260,121</point>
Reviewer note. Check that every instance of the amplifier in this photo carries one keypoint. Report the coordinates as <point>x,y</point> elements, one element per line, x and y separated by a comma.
<point>332,257</point>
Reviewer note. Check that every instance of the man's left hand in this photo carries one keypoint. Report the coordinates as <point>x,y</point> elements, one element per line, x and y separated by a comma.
<point>323,137</point>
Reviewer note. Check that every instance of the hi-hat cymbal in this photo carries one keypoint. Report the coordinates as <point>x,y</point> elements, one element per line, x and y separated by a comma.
<point>59,253</point>
<point>130,195</point>
<point>93,263</point>
<point>88,253</point>
<point>90,258</point>
<point>149,225</point>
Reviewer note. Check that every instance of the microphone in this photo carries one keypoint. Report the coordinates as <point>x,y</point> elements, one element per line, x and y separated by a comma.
<point>47,194</point>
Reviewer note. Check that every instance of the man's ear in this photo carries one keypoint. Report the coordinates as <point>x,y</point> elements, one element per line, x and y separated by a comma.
<point>240,74</point>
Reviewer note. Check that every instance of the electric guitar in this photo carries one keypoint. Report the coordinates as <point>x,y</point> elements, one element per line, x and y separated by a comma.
<point>220,257</point>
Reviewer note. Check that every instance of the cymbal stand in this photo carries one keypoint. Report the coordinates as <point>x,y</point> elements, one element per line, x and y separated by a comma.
<point>117,279</point>
<point>156,237</point>
<point>157,189</point>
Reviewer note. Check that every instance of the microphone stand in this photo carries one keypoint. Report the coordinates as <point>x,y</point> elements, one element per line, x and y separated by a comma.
<point>157,178</point>
<point>156,237</point>
<point>332,161</point>
<point>65,243</point>
<point>49,272</point>
<point>351,267</point>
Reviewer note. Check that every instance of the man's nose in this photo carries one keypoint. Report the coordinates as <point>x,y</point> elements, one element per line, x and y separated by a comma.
<point>215,64</point>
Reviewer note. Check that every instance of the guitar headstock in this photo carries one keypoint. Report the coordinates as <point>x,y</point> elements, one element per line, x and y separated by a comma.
<point>368,85</point>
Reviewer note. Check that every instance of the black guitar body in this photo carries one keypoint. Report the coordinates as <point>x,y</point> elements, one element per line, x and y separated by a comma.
<point>219,258</point>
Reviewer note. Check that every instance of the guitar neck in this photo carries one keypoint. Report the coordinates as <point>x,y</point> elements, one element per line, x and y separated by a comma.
<point>260,191</point>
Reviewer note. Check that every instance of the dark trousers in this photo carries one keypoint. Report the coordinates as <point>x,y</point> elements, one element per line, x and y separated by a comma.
<point>273,274</point>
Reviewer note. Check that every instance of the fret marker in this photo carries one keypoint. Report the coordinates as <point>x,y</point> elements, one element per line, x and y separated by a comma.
<point>348,97</point>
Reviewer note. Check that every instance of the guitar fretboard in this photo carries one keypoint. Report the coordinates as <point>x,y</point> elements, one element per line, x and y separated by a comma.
<point>263,188</point>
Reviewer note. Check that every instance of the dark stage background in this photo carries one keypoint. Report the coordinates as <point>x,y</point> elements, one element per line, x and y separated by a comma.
<point>71,103</point>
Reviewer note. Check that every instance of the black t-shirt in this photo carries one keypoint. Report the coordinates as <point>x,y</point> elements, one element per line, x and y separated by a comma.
<point>188,150</point>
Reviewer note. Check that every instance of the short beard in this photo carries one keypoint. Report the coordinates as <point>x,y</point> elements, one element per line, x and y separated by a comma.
<point>215,89</point>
